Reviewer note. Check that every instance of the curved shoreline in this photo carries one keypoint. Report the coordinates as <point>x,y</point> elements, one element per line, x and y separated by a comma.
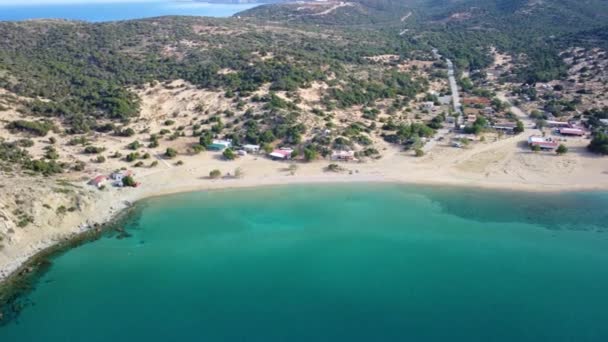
<point>20,265</point>
<point>16,277</point>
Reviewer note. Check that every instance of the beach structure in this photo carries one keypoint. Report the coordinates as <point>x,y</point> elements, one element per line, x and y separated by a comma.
<point>557,124</point>
<point>283,153</point>
<point>507,127</point>
<point>251,148</point>
<point>547,144</point>
<point>343,156</point>
<point>219,145</point>
<point>118,177</point>
<point>428,105</point>
<point>571,131</point>
<point>98,181</point>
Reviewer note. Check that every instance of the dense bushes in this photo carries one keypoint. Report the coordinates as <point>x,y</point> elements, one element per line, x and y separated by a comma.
<point>599,143</point>
<point>39,128</point>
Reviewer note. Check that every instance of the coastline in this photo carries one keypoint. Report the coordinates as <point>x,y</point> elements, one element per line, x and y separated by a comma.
<point>107,216</point>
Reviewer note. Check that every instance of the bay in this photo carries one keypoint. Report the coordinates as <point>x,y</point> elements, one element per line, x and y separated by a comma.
<point>364,262</point>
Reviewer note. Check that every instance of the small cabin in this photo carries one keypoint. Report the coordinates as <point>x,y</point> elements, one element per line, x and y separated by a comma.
<point>251,148</point>
<point>281,154</point>
<point>98,181</point>
<point>219,145</point>
<point>343,155</point>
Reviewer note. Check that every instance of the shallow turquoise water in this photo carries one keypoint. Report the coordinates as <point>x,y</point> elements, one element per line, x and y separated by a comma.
<point>113,10</point>
<point>335,263</point>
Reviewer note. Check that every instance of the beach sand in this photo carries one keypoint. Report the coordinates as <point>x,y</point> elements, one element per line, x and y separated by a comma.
<point>503,164</point>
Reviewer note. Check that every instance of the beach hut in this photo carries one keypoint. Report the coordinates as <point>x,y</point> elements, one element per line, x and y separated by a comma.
<point>219,145</point>
<point>251,148</point>
<point>98,181</point>
<point>547,144</point>
<point>571,131</point>
<point>119,175</point>
<point>428,105</point>
<point>281,154</point>
<point>559,124</point>
<point>505,126</point>
<point>343,155</point>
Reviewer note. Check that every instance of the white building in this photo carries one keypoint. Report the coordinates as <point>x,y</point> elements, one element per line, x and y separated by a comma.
<point>251,148</point>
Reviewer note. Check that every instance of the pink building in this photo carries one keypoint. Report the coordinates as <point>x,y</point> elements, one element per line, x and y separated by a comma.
<point>572,131</point>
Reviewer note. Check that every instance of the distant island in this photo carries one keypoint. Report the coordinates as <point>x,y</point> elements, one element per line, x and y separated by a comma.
<point>95,116</point>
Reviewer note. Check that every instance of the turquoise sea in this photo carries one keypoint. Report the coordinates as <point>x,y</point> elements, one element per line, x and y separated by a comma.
<point>334,263</point>
<point>114,10</point>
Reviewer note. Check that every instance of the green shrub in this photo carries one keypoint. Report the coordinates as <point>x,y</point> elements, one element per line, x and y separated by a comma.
<point>93,150</point>
<point>229,154</point>
<point>214,174</point>
<point>39,128</point>
<point>170,153</point>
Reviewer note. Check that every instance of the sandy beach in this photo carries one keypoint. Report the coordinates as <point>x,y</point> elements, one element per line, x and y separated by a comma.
<point>500,165</point>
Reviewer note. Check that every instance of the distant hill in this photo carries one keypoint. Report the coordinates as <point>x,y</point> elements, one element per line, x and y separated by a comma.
<point>559,14</point>
<point>465,29</point>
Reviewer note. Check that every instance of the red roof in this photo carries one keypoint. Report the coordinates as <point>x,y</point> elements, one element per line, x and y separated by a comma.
<point>98,179</point>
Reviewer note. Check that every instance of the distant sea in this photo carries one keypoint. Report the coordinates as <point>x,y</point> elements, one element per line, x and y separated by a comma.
<point>112,11</point>
<point>334,263</point>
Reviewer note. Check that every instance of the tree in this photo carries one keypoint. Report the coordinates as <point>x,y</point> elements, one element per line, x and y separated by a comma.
<point>419,152</point>
<point>196,149</point>
<point>132,156</point>
<point>333,168</point>
<point>519,127</point>
<point>267,148</point>
<point>599,143</point>
<point>93,150</point>
<point>134,145</point>
<point>561,149</point>
<point>170,153</point>
<point>205,139</point>
<point>129,181</point>
<point>310,154</point>
<point>214,174</point>
<point>536,148</point>
<point>229,154</point>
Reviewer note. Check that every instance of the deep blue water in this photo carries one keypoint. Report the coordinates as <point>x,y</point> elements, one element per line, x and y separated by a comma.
<point>98,12</point>
<point>335,263</point>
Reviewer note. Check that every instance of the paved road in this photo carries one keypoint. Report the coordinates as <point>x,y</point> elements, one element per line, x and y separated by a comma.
<point>454,89</point>
<point>453,85</point>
